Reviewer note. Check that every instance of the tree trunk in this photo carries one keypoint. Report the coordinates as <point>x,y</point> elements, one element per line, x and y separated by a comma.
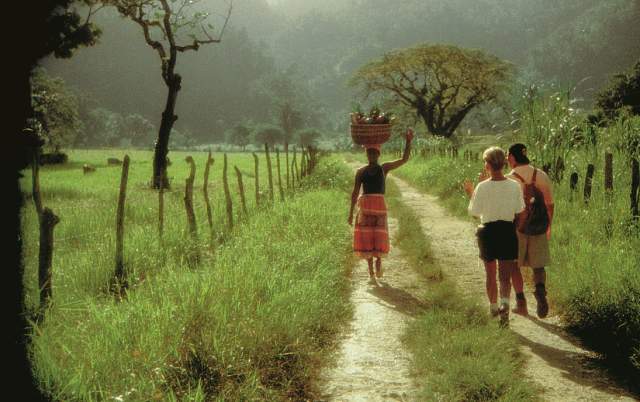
<point>16,325</point>
<point>162,144</point>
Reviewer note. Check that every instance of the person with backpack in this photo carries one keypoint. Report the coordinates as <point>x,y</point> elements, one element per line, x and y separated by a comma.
<point>497,201</point>
<point>534,227</point>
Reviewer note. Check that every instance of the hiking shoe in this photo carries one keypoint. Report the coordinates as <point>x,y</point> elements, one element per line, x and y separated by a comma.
<point>541,298</point>
<point>503,311</point>
<point>521,307</point>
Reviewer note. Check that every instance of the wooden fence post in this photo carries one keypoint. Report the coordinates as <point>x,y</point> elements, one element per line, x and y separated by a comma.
<point>161,209</point>
<point>188,198</point>
<point>558,172</point>
<point>120,271</point>
<point>608,172</point>
<point>286,162</point>
<point>635,183</point>
<point>227,194</point>
<point>295,166</point>
<point>269,173</point>
<point>293,169</point>
<point>241,189</point>
<point>587,182</point>
<point>573,185</point>
<point>205,190</point>
<point>303,163</point>
<point>279,175</point>
<point>257,178</point>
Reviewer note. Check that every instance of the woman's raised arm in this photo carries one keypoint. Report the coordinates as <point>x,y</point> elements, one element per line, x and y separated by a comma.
<point>405,156</point>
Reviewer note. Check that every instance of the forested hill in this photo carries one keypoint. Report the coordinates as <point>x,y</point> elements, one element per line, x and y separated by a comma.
<point>562,41</point>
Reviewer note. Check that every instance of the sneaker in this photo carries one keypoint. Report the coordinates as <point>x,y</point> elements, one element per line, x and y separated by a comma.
<point>541,298</point>
<point>503,311</point>
<point>521,307</point>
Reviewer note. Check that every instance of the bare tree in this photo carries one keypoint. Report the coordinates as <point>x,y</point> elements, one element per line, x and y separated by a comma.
<point>171,27</point>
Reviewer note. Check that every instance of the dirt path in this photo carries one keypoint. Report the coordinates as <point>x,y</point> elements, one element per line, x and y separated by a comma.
<point>371,363</point>
<point>555,360</point>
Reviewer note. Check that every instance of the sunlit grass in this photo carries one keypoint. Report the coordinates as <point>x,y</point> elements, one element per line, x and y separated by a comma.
<point>248,322</point>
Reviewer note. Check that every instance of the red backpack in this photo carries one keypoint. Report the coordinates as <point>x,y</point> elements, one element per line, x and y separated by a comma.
<point>534,220</point>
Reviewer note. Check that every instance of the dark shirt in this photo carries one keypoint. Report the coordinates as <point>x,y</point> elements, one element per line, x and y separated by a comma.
<point>373,180</point>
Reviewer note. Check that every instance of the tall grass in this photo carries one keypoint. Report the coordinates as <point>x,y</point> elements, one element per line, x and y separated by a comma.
<point>248,323</point>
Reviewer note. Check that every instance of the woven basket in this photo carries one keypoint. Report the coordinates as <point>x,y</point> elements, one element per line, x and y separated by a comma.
<point>370,134</point>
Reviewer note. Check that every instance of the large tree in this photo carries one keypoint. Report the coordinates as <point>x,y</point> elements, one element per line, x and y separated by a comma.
<point>170,27</point>
<point>441,83</point>
<point>39,28</point>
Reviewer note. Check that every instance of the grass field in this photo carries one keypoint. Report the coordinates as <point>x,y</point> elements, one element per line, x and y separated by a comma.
<point>594,279</point>
<point>248,322</point>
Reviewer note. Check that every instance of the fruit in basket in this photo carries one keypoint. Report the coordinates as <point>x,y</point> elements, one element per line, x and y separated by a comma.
<point>373,117</point>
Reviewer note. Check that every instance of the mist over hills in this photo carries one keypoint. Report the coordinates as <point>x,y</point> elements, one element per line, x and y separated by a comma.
<point>326,41</point>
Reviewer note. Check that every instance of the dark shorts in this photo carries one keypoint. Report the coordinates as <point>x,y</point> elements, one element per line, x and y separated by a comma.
<point>497,241</point>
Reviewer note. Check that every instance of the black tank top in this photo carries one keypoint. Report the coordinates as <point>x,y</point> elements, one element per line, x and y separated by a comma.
<point>373,180</point>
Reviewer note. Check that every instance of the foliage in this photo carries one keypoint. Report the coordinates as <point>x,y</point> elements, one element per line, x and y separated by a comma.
<point>552,127</point>
<point>307,137</point>
<point>240,135</point>
<point>103,128</point>
<point>64,28</point>
<point>441,83</point>
<point>139,130</point>
<point>625,133</point>
<point>267,133</point>
<point>55,109</point>
<point>183,139</point>
<point>623,92</point>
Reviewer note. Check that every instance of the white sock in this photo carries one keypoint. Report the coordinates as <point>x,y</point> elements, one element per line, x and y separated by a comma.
<point>504,300</point>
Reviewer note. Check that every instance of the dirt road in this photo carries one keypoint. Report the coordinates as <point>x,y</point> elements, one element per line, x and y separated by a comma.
<point>372,364</point>
<point>555,360</point>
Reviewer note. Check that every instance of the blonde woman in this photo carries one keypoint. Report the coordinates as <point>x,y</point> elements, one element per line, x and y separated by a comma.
<point>497,200</point>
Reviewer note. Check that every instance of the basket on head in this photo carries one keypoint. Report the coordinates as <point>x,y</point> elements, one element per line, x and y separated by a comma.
<point>370,134</point>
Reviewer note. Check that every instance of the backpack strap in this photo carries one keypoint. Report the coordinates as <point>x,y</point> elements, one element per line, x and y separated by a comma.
<point>533,179</point>
<point>519,177</point>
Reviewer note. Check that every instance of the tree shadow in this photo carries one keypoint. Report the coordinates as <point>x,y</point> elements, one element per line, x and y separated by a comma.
<point>576,367</point>
<point>620,371</point>
<point>401,300</point>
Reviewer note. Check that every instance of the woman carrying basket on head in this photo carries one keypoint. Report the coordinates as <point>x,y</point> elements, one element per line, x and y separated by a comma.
<point>370,234</point>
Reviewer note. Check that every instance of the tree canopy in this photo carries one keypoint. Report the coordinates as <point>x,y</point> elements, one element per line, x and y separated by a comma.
<point>623,92</point>
<point>442,83</point>
<point>55,111</point>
